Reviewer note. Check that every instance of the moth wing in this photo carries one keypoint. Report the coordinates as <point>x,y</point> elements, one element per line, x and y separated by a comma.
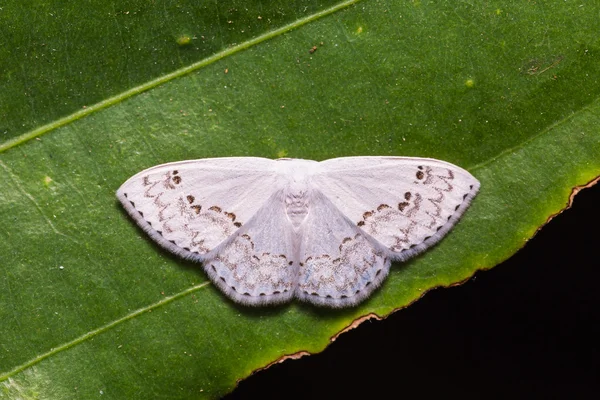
<point>190,207</point>
<point>406,204</point>
<point>257,264</point>
<point>339,265</point>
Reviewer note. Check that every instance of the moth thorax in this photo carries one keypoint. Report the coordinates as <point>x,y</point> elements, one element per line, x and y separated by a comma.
<point>296,205</point>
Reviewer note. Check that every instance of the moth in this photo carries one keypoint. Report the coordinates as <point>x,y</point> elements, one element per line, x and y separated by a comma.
<point>267,231</point>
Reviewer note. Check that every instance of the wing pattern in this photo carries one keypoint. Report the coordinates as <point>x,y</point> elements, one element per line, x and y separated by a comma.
<point>267,231</point>
<point>256,265</point>
<point>190,214</point>
<point>405,204</point>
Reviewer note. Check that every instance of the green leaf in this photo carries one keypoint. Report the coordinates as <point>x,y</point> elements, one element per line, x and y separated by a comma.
<point>89,305</point>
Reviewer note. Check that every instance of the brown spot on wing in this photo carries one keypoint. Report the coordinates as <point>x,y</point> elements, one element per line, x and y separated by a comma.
<point>230,216</point>
<point>403,205</point>
<point>382,206</point>
<point>346,240</point>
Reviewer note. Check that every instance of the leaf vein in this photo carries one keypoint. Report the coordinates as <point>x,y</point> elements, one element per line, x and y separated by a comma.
<point>170,76</point>
<point>530,139</point>
<point>97,331</point>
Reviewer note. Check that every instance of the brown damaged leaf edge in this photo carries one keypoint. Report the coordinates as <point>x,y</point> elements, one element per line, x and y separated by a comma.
<point>294,356</point>
<point>354,324</point>
<point>357,322</point>
<point>302,353</point>
<point>574,193</point>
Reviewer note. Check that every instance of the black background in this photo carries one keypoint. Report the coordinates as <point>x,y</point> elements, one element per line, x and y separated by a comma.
<point>528,328</point>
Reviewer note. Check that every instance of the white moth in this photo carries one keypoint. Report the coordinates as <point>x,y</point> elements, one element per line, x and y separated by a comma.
<point>324,232</point>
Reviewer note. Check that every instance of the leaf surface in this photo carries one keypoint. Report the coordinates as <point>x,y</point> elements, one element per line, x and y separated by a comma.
<point>90,305</point>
